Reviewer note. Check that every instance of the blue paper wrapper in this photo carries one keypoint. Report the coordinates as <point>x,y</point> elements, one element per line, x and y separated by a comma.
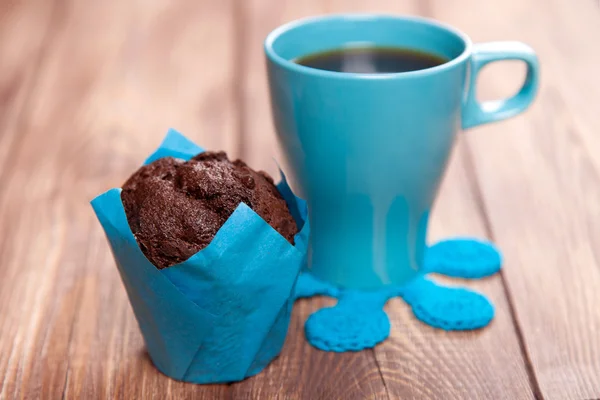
<point>223,314</point>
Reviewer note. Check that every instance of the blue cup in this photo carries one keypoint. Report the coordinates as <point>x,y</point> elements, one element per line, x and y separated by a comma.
<point>368,150</point>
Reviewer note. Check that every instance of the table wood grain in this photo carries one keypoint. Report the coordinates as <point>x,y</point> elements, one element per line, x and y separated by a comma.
<point>88,89</point>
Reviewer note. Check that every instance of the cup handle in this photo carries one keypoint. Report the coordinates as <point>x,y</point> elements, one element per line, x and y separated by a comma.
<point>475,113</point>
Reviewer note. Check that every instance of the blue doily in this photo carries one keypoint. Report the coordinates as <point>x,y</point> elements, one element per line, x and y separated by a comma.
<point>358,321</point>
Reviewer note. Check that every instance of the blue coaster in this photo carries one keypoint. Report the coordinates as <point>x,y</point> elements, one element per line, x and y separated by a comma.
<point>358,321</point>
<point>463,258</point>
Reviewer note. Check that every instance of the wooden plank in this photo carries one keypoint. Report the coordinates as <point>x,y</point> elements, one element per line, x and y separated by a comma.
<point>539,175</point>
<point>23,26</point>
<point>303,372</point>
<point>114,77</point>
<point>421,362</point>
<point>416,361</point>
<point>257,19</point>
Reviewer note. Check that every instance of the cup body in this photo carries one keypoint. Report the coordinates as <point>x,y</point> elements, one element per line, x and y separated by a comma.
<point>368,151</point>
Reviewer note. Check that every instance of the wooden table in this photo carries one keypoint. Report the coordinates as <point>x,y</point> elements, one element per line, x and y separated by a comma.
<point>88,88</point>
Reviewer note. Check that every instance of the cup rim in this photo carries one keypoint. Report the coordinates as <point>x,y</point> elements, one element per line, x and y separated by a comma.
<point>290,65</point>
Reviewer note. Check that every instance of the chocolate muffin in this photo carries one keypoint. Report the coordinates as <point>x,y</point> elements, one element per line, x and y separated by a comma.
<point>175,208</point>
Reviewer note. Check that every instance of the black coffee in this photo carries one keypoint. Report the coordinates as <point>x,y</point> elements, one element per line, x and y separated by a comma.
<point>371,60</point>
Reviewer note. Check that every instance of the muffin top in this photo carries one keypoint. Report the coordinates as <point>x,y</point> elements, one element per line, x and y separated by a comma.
<point>175,208</point>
